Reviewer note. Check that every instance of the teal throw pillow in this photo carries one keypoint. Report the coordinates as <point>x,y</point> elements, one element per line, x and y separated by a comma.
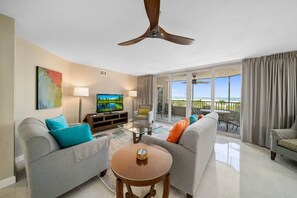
<point>73,135</point>
<point>193,118</point>
<point>56,123</point>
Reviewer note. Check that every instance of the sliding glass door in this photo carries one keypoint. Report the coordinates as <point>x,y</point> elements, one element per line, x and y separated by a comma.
<point>201,92</point>
<point>162,85</point>
<point>227,98</point>
<point>178,97</point>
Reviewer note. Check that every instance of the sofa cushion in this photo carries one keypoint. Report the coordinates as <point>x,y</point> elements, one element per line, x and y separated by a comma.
<point>177,130</point>
<point>143,111</point>
<point>73,135</point>
<point>141,117</point>
<point>288,143</point>
<point>56,123</point>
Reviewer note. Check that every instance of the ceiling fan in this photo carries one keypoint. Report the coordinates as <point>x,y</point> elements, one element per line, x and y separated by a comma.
<point>196,81</point>
<point>152,8</point>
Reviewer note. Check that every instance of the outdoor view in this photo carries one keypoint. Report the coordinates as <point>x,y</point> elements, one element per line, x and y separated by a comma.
<point>226,98</point>
<point>202,93</point>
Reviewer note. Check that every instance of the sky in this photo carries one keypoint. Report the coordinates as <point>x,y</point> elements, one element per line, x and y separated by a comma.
<point>204,90</point>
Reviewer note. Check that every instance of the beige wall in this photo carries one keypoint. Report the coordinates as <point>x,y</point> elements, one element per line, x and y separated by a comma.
<point>28,56</point>
<point>113,83</point>
<point>7,47</point>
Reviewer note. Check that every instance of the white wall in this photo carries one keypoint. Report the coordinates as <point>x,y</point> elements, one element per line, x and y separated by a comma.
<point>7,47</point>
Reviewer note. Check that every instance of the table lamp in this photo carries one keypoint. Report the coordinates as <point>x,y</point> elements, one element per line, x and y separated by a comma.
<point>81,92</point>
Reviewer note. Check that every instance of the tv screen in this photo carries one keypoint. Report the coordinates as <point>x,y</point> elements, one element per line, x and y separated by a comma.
<point>110,102</point>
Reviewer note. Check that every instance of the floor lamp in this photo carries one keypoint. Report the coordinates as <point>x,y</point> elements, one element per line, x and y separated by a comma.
<point>81,92</point>
<point>133,94</point>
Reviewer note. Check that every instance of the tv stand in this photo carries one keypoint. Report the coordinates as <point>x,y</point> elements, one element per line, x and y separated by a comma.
<point>100,122</point>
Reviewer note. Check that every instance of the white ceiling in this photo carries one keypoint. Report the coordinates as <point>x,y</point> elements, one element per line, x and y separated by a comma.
<point>87,31</point>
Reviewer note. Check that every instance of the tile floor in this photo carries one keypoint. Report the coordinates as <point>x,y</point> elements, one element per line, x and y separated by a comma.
<point>235,170</point>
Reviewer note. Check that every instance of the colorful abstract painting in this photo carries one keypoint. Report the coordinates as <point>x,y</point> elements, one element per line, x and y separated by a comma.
<point>49,88</point>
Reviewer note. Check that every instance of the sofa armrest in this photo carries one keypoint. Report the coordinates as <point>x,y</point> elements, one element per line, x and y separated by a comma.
<point>85,150</point>
<point>294,126</point>
<point>147,139</point>
<point>283,133</point>
<point>150,117</point>
<point>277,134</point>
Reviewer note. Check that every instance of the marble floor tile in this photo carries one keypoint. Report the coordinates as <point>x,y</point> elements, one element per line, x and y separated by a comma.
<point>235,170</point>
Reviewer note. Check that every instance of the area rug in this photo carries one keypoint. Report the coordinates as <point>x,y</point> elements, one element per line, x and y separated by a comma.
<point>118,139</point>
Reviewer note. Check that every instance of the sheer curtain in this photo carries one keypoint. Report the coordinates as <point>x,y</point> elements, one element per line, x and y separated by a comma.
<point>145,90</point>
<point>269,96</point>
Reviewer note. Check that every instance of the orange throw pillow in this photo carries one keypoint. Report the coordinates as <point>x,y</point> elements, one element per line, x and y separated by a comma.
<point>177,130</point>
<point>200,116</point>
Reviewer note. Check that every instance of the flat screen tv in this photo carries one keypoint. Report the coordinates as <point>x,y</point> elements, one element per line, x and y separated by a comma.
<point>110,102</point>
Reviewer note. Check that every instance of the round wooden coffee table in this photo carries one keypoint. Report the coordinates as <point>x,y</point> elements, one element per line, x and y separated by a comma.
<point>133,172</point>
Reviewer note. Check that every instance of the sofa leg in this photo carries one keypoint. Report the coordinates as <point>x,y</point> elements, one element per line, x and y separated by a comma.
<point>189,196</point>
<point>273,154</point>
<point>103,173</point>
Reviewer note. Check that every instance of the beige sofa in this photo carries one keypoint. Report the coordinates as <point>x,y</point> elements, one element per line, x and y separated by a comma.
<point>52,171</point>
<point>191,153</point>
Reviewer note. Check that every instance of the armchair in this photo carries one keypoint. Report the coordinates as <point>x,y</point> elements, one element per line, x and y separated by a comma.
<point>144,112</point>
<point>284,142</point>
<point>52,171</point>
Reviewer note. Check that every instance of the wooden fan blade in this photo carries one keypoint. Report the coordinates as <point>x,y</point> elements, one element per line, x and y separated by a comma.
<point>152,8</point>
<point>136,40</point>
<point>175,38</point>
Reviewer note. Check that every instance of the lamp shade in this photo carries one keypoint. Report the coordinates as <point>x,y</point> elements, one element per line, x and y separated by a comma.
<point>81,91</point>
<point>132,93</point>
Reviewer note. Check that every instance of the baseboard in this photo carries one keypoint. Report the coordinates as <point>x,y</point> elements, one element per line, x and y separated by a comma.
<point>8,181</point>
<point>18,159</point>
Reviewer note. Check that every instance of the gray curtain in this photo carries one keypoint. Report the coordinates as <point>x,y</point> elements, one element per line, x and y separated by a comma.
<point>268,97</point>
<point>145,90</point>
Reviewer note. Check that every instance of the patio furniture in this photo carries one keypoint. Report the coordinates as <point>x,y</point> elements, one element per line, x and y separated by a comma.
<point>284,142</point>
<point>233,120</point>
<point>234,123</point>
<point>221,113</point>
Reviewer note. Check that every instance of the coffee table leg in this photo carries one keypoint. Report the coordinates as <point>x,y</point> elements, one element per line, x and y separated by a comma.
<point>166,186</point>
<point>119,189</point>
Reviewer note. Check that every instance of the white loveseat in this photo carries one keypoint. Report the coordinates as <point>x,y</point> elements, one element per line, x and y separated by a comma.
<point>191,154</point>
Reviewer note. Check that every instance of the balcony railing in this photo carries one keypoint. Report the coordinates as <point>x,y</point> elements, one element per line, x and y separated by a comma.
<point>222,105</point>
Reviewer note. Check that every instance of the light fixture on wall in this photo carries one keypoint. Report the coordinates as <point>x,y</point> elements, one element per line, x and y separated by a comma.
<point>81,92</point>
<point>132,94</point>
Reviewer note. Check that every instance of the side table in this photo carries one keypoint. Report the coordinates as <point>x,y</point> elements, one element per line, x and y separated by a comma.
<point>132,172</point>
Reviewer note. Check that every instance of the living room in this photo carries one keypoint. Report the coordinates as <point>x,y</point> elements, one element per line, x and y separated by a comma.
<point>240,70</point>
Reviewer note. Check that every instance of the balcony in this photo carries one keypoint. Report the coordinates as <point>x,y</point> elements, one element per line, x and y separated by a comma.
<point>179,112</point>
